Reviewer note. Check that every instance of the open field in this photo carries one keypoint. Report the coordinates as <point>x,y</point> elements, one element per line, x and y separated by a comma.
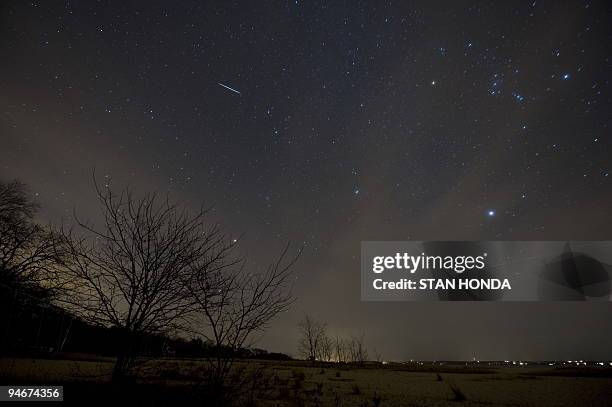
<point>172,381</point>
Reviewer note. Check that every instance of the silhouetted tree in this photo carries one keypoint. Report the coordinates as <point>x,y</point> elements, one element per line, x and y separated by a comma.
<point>340,350</point>
<point>357,350</point>
<point>235,303</point>
<point>311,336</point>
<point>131,272</point>
<point>326,349</point>
<point>27,250</point>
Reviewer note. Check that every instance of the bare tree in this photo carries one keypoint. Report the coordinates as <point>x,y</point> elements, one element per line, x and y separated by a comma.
<point>131,272</point>
<point>235,304</point>
<point>27,250</point>
<point>326,349</point>
<point>357,350</point>
<point>340,350</point>
<point>312,333</point>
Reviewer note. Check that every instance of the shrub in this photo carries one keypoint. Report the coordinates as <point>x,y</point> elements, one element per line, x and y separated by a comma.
<point>459,396</point>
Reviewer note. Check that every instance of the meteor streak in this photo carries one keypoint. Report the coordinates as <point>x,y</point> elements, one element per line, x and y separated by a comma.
<point>227,87</point>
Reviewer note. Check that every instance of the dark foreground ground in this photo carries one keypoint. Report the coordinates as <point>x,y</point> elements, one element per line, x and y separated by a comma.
<point>172,382</point>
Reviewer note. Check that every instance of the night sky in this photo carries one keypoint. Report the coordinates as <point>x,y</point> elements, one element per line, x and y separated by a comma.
<point>347,121</point>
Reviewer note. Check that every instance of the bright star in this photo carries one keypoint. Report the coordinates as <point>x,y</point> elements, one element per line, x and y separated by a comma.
<point>491,212</point>
<point>566,76</point>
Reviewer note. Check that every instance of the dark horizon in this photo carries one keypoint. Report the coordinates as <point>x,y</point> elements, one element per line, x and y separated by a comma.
<point>325,125</point>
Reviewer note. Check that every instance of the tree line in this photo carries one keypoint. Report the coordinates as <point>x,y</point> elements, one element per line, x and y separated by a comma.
<point>316,345</point>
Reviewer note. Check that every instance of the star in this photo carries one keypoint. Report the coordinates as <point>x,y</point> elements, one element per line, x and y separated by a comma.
<point>491,213</point>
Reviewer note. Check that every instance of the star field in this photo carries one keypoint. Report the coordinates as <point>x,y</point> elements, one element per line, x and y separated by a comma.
<point>328,123</point>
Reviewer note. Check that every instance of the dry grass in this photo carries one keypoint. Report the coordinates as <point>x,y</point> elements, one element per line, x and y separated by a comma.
<point>291,384</point>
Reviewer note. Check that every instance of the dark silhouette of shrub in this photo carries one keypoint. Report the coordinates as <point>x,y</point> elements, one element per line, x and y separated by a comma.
<point>458,394</point>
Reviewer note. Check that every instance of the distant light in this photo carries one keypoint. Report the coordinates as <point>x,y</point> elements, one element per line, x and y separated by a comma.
<point>566,76</point>
<point>491,212</point>
<point>433,83</point>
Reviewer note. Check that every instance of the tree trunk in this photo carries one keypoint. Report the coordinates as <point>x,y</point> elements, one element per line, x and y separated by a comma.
<point>120,367</point>
<point>126,351</point>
